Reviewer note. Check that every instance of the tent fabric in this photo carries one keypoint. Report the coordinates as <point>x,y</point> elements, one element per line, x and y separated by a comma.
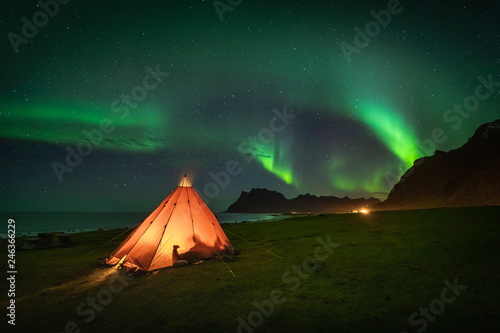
<point>182,220</point>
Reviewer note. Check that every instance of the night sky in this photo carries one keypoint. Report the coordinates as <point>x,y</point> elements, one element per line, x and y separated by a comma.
<point>111,102</point>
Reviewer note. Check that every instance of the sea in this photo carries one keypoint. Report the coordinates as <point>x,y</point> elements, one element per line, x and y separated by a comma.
<point>32,223</point>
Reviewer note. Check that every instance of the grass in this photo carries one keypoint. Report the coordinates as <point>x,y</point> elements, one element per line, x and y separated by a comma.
<point>386,267</point>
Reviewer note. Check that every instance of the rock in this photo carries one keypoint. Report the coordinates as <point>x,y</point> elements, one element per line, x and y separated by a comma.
<point>466,176</point>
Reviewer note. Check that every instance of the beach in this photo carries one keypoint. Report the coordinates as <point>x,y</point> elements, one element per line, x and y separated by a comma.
<point>346,273</point>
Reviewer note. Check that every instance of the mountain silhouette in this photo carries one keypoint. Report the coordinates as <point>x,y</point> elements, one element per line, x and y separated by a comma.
<point>260,200</point>
<point>466,176</point>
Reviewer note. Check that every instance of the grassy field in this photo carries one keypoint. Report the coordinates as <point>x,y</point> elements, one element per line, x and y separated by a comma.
<point>380,271</point>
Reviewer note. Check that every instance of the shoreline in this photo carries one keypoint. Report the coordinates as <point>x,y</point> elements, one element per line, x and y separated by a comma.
<point>121,221</point>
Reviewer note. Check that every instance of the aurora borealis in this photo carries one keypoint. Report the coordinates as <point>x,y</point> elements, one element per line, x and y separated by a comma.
<point>354,126</point>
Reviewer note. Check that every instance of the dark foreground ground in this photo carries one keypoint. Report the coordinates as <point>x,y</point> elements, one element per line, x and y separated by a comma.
<point>429,270</point>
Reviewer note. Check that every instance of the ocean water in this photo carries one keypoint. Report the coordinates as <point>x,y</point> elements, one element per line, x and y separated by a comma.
<point>239,217</point>
<point>31,223</point>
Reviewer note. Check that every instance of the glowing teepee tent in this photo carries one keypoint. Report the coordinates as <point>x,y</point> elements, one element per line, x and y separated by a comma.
<point>182,227</point>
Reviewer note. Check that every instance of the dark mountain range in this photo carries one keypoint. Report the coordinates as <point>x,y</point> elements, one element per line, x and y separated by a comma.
<point>265,201</point>
<point>467,176</point>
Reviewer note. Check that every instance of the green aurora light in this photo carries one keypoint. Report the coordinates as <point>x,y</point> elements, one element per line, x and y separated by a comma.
<point>393,131</point>
<point>68,124</point>
<point>274,157</point>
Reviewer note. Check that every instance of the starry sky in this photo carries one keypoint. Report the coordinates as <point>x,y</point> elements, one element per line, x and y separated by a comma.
<point>105,105</point>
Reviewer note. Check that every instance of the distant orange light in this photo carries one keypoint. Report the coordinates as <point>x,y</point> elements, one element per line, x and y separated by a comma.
<point>363,211</point>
